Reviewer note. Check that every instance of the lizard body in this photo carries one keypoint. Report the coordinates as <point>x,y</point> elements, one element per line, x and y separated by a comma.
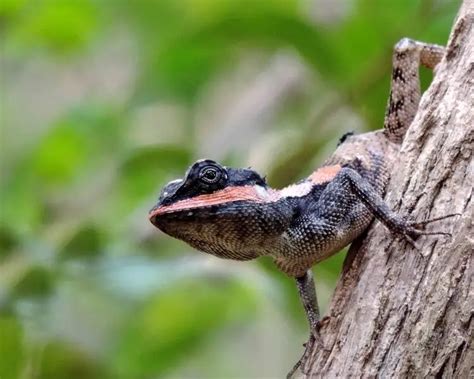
<point>243,218</point>
<point>233,213</point>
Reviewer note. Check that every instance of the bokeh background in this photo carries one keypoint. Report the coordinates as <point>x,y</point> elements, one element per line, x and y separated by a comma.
<point>102,103</point>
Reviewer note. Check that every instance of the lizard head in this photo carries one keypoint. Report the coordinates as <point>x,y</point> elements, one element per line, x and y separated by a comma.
<point>223,211</point>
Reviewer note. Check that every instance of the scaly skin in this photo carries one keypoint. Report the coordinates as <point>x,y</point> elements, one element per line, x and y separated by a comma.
<point>234,214</point>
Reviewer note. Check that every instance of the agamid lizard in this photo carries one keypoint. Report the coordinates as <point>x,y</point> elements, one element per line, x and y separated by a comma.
<point>233,213</point>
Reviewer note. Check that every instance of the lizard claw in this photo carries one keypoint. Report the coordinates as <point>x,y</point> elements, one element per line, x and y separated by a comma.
<point>414,229</point>
<point>308,346</point>
<point>314,339</point>
<point>422,224</point>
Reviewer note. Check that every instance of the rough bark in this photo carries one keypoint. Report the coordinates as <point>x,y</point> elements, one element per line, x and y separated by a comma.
<point>398,312</point>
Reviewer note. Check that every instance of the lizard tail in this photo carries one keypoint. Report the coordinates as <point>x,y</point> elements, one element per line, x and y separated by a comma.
<point>405,84</point>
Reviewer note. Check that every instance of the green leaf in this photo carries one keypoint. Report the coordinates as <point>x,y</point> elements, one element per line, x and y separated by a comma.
<point>78,141</point>
<point>10,9</point>
<point>177,322</point>
<point>20,197</point>
<point>37,282</point>
<point>87,243</point>
<point>11,348</point>
<point>60,154</point>
<point>59,25</point>
<point>8,241</point>
<point>62,361</point>
<point>74,147</point>
<point>181,70</point>
<point>180,66</point>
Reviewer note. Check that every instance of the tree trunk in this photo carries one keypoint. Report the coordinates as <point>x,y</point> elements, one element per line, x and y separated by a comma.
<point>398,312</point>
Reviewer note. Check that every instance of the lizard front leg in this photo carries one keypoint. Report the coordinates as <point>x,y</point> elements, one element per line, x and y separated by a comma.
<point>322,229</point>
<point>375,203</point>
<point>307,293</point>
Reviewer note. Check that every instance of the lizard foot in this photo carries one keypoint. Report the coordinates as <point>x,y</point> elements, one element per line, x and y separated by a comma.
<point>308,346</point>
<point>314,339</point>
<point>414,229</point>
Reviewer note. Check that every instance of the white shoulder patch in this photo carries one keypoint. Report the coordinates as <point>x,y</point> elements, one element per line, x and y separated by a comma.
<point>266,194</point>
<point>297,190</point>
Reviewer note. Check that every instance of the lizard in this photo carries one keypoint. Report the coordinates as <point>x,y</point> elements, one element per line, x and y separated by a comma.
<point>233,213</point>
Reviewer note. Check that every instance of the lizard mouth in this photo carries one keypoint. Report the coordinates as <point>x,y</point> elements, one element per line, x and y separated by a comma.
<point>160,211</point>
<point>160,216</point>
<point>153,220</point>
<point>156,216</point>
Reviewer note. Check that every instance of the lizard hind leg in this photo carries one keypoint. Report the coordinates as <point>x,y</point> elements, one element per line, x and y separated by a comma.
<point>405,84</point>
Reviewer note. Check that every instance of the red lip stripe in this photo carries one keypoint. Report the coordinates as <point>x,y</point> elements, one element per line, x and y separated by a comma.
<point>324,174</point>
<point>225,195</point>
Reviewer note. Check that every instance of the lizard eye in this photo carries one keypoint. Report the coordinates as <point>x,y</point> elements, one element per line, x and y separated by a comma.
<point>210,175</point>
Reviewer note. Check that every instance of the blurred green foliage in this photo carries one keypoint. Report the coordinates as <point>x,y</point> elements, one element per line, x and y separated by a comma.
<point>102,103</point>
